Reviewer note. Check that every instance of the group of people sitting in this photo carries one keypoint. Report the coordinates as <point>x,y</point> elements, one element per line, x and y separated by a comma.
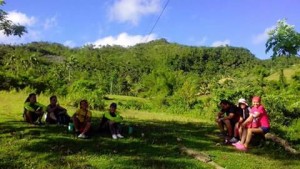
<point>55,114</point>
<point>237,123</point>
<point>242,121</point>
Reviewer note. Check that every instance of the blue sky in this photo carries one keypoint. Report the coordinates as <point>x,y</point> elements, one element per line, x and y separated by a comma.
<point>74,23</point>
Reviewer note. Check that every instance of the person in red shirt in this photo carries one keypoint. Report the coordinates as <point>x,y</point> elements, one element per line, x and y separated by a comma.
<point>256,123</point>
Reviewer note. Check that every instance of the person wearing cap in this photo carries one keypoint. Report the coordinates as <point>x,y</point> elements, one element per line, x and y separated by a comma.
<point>229,120</point>
<point>113,120</point>
<point>256,123</point>
<point>243,111</point>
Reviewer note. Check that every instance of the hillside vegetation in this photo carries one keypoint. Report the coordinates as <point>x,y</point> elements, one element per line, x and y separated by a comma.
<point>289,73</point>
<point>169,77</point>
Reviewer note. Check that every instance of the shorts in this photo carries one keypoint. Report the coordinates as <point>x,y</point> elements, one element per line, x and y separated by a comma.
<point>265,129</point>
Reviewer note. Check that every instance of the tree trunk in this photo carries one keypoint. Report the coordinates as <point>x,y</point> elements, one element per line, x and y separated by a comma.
<point>284,143</point>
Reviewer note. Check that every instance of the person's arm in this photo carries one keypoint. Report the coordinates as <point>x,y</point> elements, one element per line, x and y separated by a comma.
<point>88,116</point>
<point>44,108</point>
<point>232,112</point>
<point>230,116</point>
<point>61,109</point>
<point>219,117</point>
<point>50,109</point>
<point>118,118</point>
<point>240,120</point>
<point>75,114</point>
<point>220,114</point>
<point>28,107</point>
<point>248,120</point>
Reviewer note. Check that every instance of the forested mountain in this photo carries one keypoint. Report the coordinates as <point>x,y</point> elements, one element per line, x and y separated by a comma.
<point>118,70</point>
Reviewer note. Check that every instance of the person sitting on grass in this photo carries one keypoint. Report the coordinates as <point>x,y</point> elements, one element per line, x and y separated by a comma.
<point>82,119</point>
<point>243,110</point>
<point>112,119</point>
<point>256,123</point>
<point>56,114</point>
<point>33,111</point>
<point>227,121</point>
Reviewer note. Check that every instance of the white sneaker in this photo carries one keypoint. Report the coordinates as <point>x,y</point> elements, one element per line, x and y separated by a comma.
<point>233,140</point>
<point>114,136</point>
<point>82,135</point>
<point>120,136</point>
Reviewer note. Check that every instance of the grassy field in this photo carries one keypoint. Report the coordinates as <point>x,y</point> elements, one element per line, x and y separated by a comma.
<point>154,143</point>
<point>288,73</point>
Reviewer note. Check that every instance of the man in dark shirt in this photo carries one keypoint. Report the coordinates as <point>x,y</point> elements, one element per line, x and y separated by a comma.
<point>228,121</point>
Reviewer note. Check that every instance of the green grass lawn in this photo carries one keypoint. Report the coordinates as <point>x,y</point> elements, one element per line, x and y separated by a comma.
<point>153,143</point>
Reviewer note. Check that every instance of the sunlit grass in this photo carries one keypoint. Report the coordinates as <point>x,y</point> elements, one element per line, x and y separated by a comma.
<point>288,73</point>
<point>154,142</point>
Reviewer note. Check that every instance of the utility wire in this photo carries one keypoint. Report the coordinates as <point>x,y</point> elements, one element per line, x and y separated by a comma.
<point>157,20</point>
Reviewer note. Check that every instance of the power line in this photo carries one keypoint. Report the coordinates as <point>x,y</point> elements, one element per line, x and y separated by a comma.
<point>157,20</point>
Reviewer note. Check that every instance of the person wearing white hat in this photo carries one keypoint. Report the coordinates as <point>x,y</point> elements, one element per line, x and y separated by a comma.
<point>243,112</point>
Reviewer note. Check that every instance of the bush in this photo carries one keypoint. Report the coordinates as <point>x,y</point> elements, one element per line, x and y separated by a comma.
<point>294,130</point>
<point>84,89</point>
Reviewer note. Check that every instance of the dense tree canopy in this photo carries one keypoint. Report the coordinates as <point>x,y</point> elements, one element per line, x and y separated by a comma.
<point>7,26</point>
<point>283,40</point>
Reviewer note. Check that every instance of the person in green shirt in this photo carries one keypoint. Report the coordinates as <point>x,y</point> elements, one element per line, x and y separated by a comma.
<point>113,120</point>
<point>33,110</point>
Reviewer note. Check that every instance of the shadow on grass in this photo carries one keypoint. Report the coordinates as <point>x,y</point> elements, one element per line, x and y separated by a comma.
<point>153,144</point>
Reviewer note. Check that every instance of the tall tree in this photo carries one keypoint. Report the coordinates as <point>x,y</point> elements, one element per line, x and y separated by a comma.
<point>283,40</point>
<point>7,26</point>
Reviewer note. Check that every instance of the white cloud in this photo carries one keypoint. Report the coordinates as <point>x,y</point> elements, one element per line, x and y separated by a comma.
<point>70,43</point>
<point>50,23</point>
<point>20,18</point>
<point>133,10</point>
<point>124,40</point>
<point>32,35</point>
<point>221,43</point>
<point>262,37</point>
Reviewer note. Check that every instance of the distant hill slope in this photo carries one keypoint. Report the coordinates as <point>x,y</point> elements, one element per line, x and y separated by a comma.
<point>288,73</point>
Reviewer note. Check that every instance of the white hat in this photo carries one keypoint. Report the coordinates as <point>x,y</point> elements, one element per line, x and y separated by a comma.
<point>242,100</point>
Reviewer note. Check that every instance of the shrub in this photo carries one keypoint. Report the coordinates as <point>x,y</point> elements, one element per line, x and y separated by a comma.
<point>84,89</point>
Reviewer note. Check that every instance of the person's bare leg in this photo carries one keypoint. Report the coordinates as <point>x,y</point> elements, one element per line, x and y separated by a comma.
<point>241,131</point>
<point>236,132</point>
<point>244,135</point>
<point>86,128</point>
<point>249,135</point>
<point>229,127</point>
<point>221,127</point>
